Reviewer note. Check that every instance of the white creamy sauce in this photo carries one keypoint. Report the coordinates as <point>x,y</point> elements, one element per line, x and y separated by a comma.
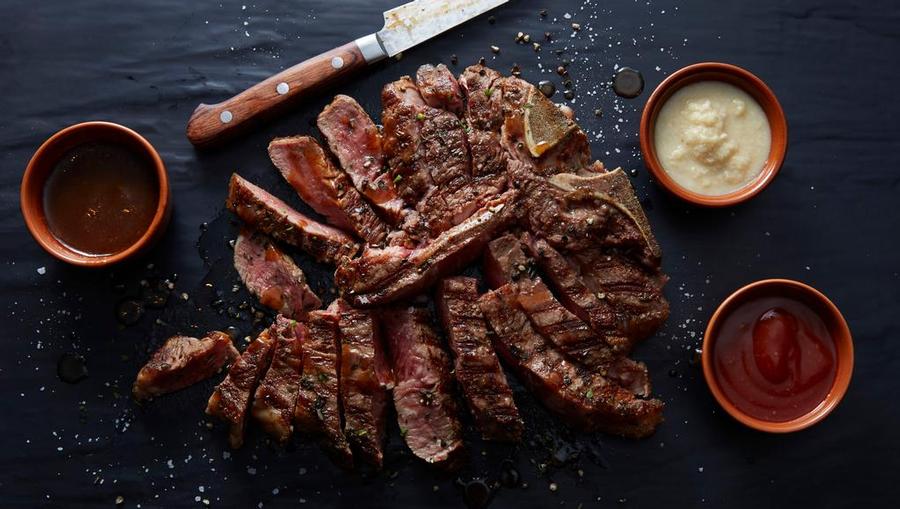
<point>712,138</point>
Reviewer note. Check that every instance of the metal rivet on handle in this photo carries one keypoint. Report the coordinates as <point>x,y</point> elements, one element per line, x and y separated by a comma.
<point>337,62</point>
<point>282,88</point>
<point>225,116</point>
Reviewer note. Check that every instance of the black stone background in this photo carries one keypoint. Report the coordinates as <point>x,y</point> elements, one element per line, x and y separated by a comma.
<point>829,219</point>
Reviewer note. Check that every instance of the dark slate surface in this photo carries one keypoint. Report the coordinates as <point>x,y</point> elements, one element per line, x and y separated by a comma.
<point>829,219</point>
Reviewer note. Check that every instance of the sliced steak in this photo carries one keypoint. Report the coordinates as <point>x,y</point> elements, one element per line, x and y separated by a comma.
<point>576,296</point>
<point>439,88</point>
<point>318,409</point>
<point>266,213</point>
<point>181,362</point>
<point>586,400</point>
<point>507,263</point>
<point>385,275</point>
<point>356,142</point>
<point>273,403</point>
<point>272,276</point>
<point>231,399</point>
<point>633,291</point>
<point>426,409</point>
<point>325,188</point>
<point>427,151</point>
<point>365,380</point>
<point>476,367</point>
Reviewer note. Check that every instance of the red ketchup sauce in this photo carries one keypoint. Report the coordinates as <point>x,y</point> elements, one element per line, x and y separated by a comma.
<point>774,358</point>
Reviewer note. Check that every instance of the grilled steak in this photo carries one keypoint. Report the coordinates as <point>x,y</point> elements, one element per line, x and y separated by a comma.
<point>427,150</point>
<point>484,115</point>
<point>476,367</point>
<point>426,409</point>
<point>365,379</point>
<point>576,296</point>
<point>231,399</point>
<point>272,276</point>
<point>584,399</point>
<point>325,188</point>
<point>356,142</point>
<point>506,263</point>
<point>385,275</point>
<point>181,362</point>
<point>273,404</point>
<point>634,292</point>
<point>439,88</point>
<point>318,409</point>
<point>266,213</point>
<point>578,218</point>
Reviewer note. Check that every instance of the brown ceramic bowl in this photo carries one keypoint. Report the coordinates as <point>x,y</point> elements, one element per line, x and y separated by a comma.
<point>741,78</point>
<point>42,163</point>
<point>832,318</point>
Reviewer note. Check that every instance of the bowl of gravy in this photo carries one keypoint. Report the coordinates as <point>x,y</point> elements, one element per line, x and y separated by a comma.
<point>713,134</point>
<point>95,194</point>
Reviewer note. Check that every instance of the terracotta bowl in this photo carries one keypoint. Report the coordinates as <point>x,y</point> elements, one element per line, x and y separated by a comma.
<point>741,78</point>
<point>42,163</point>
<point>829,314</point>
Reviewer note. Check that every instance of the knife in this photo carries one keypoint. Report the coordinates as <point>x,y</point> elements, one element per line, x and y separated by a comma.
<point>404,27</point>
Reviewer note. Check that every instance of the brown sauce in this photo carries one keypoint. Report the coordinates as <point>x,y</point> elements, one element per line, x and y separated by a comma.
<point>100,198</point>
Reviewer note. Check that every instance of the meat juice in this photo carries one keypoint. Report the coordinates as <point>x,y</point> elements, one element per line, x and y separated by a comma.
<point>774,358</point>
<point>100,198</point>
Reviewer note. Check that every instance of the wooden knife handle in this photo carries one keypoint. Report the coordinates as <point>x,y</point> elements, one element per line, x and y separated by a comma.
<point>211,123</point>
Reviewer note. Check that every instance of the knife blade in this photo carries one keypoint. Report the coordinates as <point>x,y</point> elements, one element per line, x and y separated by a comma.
<point>404,27</point>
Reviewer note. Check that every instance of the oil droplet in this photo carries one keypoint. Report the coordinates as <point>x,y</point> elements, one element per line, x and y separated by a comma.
<point>71,368</point>
<point>476,494</point>
<point>547,88</point>
<point>129,312</point>
<point>628,83</point>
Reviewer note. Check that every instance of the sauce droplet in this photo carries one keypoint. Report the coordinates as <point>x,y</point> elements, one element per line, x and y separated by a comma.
<point>71,368</point>
<point>476,494</point>
<point>628,83</point>
<point>775,344</point>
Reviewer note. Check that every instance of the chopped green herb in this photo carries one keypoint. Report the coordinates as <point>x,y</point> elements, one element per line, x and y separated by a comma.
<point>589,394</point>
<point>398,178</point>
<point>403,432</point>
<point>420,116</point>
<point>488,91</point>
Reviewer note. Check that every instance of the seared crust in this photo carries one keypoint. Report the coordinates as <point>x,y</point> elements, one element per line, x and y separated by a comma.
<point>273,403</point>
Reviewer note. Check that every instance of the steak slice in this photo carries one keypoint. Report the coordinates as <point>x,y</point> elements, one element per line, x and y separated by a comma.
<point>507,263</point>
<point>181,362</point>
<point>365,379</point>
<point>426,409</point>
<point>584,399</point>
<point>385,275</point>
<point>325,188</point>
<point>427,152</point>
<point>231,399</point>
<point>318,409</point>
<point>273,404</point>
<point>440,89</point>
<point>476,367</point>
<point>633,291</point>
<point>272,276</point>
<point>576,296</point>
<point>266,213</point>
<point>356,142</point>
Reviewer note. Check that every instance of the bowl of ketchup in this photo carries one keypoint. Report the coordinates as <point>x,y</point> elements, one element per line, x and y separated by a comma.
<point>778,355</point>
